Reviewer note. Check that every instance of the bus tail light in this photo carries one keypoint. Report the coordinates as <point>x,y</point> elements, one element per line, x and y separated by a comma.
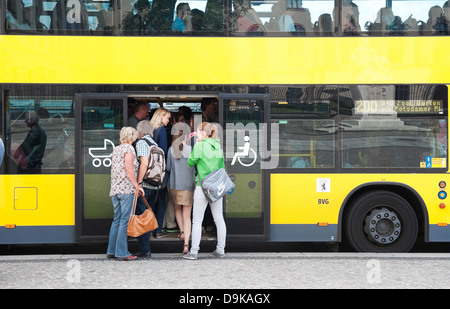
<point>10,226</point>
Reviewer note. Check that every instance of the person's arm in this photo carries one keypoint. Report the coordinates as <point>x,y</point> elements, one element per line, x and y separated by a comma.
<point>129,159</point>
<point>142,168</point>
<point>193,159</point>
<point>162,140</point>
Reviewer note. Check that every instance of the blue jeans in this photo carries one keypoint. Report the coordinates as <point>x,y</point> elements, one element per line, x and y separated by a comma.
<point>144,239</point>
<point>118,245</point>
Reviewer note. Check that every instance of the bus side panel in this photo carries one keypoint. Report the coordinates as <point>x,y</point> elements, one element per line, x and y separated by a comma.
<point>306,207</point>
<point>302,208</point>
<point>37,209</point>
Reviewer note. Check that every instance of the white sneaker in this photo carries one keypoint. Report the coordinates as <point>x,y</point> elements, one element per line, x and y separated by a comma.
<point>216,254</point>
<point>190,256</point>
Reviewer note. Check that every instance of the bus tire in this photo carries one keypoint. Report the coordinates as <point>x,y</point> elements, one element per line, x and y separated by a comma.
<point>381,221</point>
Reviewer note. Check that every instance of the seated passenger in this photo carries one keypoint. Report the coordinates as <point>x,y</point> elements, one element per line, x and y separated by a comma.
<point>137,22</point>
<point>446,10</point>
<point>197,20</point>
<point>281,20</point>
<point>434,15</point>
<point>350,19</point>
<point>183,20</point>
<point>247,18</point>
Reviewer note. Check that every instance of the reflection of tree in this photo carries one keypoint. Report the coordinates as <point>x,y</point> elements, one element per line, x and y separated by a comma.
<point>161,15</point>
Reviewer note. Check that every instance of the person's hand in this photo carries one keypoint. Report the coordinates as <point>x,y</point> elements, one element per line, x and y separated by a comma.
<point>141,190</point>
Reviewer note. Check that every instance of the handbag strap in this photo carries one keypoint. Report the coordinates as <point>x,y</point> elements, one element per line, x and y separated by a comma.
<point>135,198</point>
<point>133,207</point>
<point>198,175</point>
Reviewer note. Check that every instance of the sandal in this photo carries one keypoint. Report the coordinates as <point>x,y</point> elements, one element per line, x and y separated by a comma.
<point>186,249</point>
<point>128,258</point>
<point>181,235</point>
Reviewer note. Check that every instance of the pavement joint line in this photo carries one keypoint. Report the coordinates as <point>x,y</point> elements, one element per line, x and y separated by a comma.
<point>233,256</point>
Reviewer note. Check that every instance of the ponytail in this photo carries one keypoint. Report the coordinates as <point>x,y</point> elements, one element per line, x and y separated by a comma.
<point>209,128</point>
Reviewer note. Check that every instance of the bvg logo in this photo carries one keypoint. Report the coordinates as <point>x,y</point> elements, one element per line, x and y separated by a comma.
<point>321,201</point>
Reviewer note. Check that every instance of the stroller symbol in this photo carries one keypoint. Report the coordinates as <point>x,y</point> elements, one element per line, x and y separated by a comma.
<point>245,153</point>
<point>102,153</point>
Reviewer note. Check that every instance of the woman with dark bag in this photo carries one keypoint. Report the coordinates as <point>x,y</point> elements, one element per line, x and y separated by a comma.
<point>208,156</point>
<point>124,169</point>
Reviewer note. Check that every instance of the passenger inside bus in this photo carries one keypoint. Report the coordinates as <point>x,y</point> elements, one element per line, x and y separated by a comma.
<point>140,21</point>
<point>183,19</point>
<point>247,20</point>
<point>30,153</point>
<point>242,17</point>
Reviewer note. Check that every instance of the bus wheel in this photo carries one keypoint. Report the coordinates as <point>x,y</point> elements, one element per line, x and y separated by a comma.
<point>381,221</point>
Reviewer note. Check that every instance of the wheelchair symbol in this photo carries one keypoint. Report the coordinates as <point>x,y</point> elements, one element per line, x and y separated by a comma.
<point>246,150</point>
<point>102,153</point>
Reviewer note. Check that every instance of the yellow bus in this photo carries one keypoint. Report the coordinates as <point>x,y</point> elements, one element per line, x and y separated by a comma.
<point>333,113</point>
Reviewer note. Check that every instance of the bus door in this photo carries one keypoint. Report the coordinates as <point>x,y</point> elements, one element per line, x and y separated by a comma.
<point>243,119</point>
<point>99,120</point>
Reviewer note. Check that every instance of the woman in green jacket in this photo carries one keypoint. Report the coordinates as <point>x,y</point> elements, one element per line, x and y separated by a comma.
<point>208,156</point>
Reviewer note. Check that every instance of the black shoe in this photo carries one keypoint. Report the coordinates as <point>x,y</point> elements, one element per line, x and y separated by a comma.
<point>143,255</point>
<point>161,235</point>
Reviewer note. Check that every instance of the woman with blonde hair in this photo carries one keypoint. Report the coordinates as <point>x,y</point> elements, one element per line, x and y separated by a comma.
<point>159,121</point>
<point>208,156</point>
<point>181,180</point>
<point>124,169</point>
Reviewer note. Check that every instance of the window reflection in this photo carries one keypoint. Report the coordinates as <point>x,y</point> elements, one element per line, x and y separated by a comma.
<point>40,134</point>
<point>307,129</point>
<point>225,18</point>
<point>410,17</point>
<point>393,127</point>
<point>288,17</point>
<point>306,143</point>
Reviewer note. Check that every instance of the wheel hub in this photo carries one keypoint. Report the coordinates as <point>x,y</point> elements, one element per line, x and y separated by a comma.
<point>382,226</point>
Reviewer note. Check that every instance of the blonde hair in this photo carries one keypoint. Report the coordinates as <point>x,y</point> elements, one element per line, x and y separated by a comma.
<point>209,128</point>
<point>145,128</point>
<point>156,119</point>
<point>128,135</point>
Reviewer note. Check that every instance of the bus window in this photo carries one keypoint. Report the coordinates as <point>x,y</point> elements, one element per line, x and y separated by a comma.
<point>283,17</point>
<point>41,134</point>
<point>306,143</point>
<point>411,17</point>
<point>306,128</point>
<point>394,127</point>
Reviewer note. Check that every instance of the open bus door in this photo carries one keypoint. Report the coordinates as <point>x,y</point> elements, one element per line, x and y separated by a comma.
<point>99,118</point>
<point>245,120</point>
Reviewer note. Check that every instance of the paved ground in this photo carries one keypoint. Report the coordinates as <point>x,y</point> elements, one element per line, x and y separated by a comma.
<point>285,270</point>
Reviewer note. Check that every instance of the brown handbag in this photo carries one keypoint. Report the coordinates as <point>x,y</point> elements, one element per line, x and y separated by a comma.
<point>143,223</point>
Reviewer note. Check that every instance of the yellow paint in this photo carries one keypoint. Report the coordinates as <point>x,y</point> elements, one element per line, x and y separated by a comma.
<point>191,60</point>
<point>295,200</point>
<point>37,200</point>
